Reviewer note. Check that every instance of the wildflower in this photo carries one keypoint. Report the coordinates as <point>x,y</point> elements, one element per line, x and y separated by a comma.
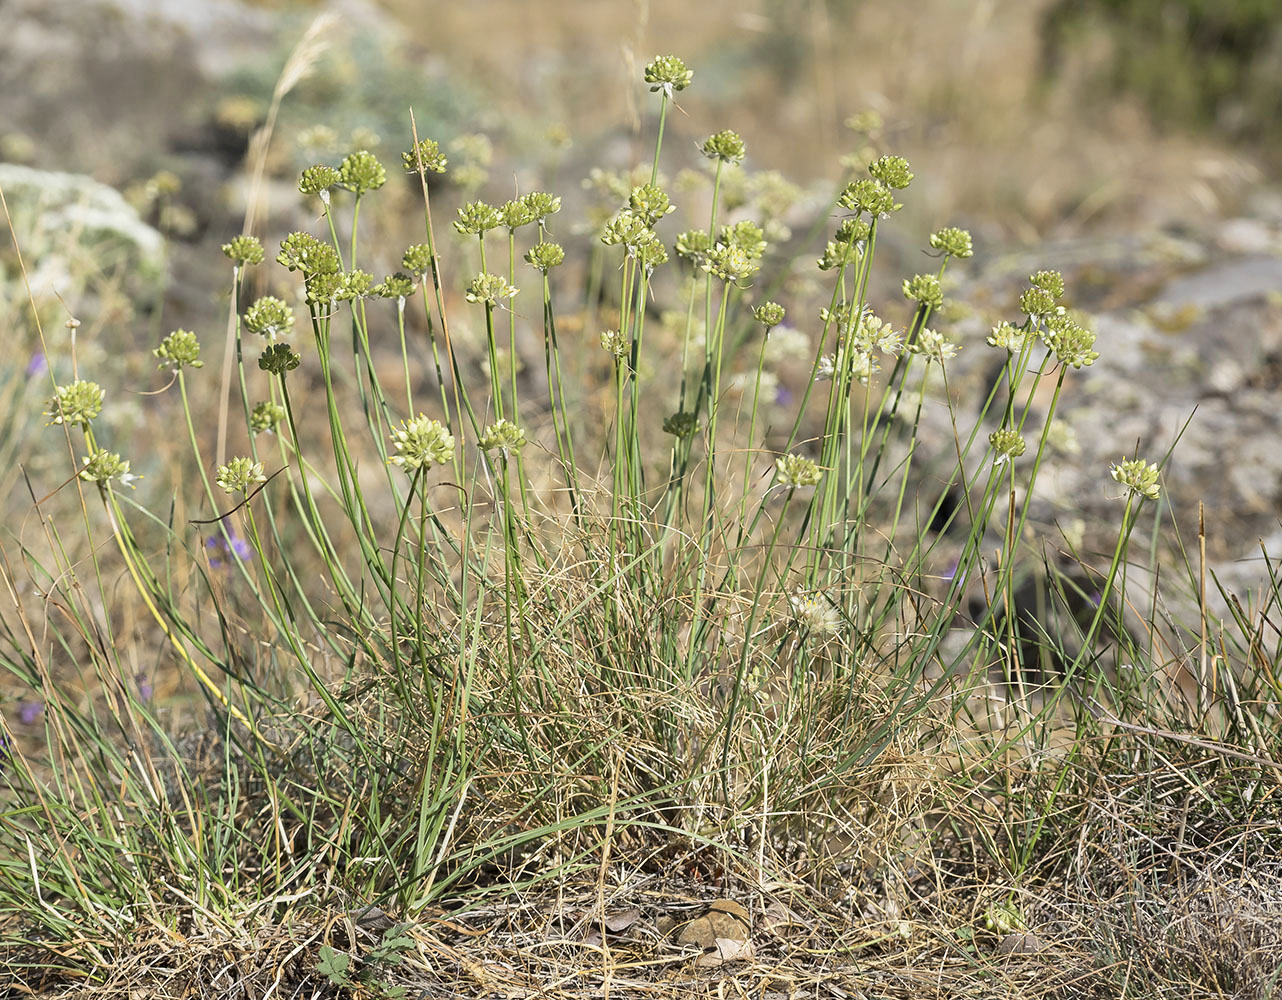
<point>515,213</point>
<point>1008,337</point>
<point>953,242</point>
<point>489,288</point>
<point>725,146</point>
<point>747,236</point>
<point>77,403</point>
<point>668,74</point>
<point>304,252</point>
<point>477,218</point>
<point>649,252</point>
<point>279,359</point>
<point>1007,443</point>
<point>1037,302</point>
<point>101,466</point>
<point>222,549</point>
<point>650,203</point>
<point>421,443</point>
<point>318,180</point>
<point>238,475</point>
<point>892,171</point>
<point>729,263</point>
<point>244,250</point>
<point>396,286</point>
<point>37,365</point>
<point>503,436</point>
<point>795,471</point>
<point>933,346</point>
<point>360,172</point>
<point>417,259</point>
<point>814,614</point>
<point>869,195</point>
<point>681,424</point>
<point>768,314</point>
<point>266,416</point>
<point>356,284</point>
<point>1049,281</point>
<point>626,228</point>
<point>179,349</point>
<point>854,231</point>
<point>826,370</point>
<point>925,289</point>
<point>428,152</point>
<point>693,246</point>
<point>1139,477</point>
<point>145,689</point>
<point>615,343</point>
<point>540,205</point>
<point>324,288</point>
<point>545,256</point>
<point>835,255</point>
<point>1071,342</point>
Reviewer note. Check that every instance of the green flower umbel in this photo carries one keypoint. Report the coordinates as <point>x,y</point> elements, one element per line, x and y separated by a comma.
<point>240,474</point>
<point>180,349</point>
<point>503,436</point>
<point>668,74</point>
<point>1138,476</point>
<point>77,403</point>
<point>103,466</point>
<point>794,471</point>
<point>421,443</point>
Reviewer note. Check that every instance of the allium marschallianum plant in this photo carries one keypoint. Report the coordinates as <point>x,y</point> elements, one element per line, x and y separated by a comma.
<point>472,623</point>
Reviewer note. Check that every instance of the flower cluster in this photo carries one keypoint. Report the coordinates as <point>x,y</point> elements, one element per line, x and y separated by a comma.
<point>725,146</point>
<point>503,436</point>
<point>266,416</point>
<point>870,196</point>
<point>794,471</point>
<point>360,172</point>
<point>490,289</point>
<point>396,286</point>
<point>668,74</point>
<point>768,314</point>
<point>545,256</point>
<point>102,466</point>
<point>932,346</point>
<point>925,290</point>
<point>1071,343</point>
<point>421,443</point>
<point>244,250</point>
<point>814,615</point>
<point>477,218</point>
<point>953,242</point>
<point>239,475</point>
<point>180,349</point>
<point>681,424</point>
<point>279,359</point>
<point>318,180</point>
<point>77,403</point>
<point>1007,444</point>
<point>269,317</point>
<point>614,343</point>
<point>304,252</point>
<point>650,203</point>
<point>1138,476</point>
<point>428,152</point>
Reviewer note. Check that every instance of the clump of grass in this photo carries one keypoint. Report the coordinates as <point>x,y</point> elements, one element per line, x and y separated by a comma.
<point>466,637</point>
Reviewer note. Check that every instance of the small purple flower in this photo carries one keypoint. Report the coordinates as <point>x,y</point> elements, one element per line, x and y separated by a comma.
<point>38,365</point>
<point>783,396</point>
<point>220,546</point>
<point>145,690</point>
<point>29,711</point>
